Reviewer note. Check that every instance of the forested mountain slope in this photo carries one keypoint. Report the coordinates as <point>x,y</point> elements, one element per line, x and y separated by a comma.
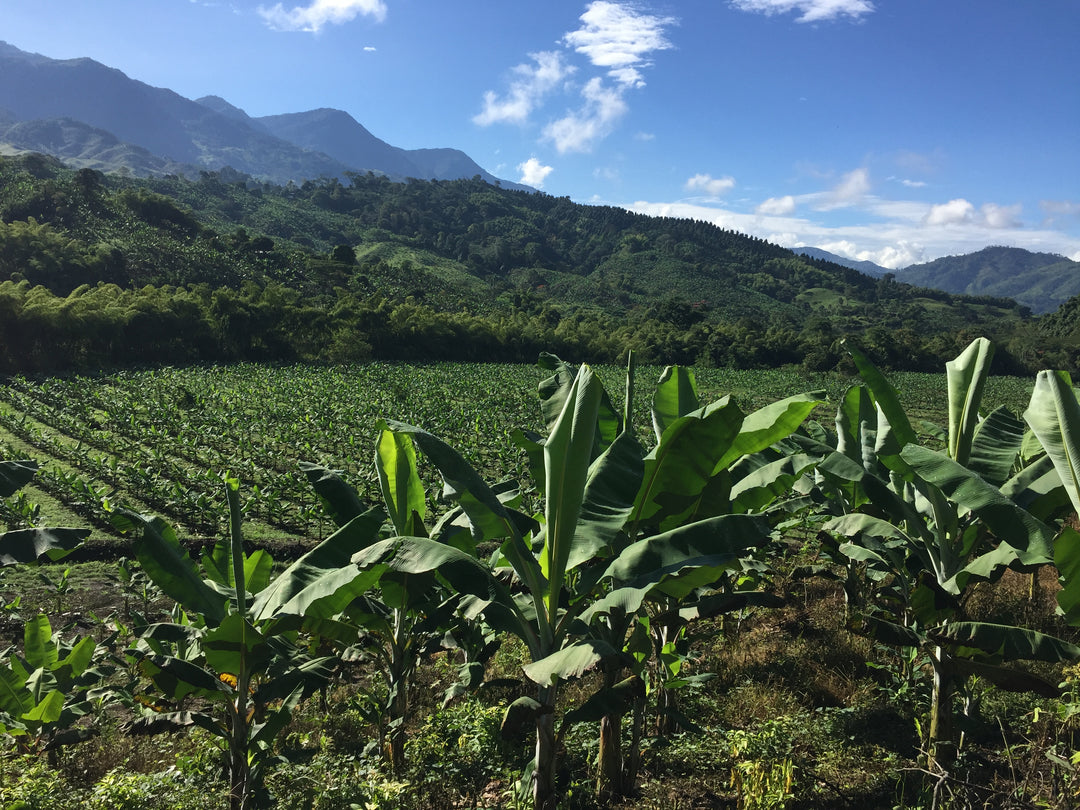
<point>1041,281</point>
<point>327,271</point>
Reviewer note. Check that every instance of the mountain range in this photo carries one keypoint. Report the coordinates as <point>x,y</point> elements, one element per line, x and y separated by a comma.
<point>1041,281</point>
<point>94,116</point>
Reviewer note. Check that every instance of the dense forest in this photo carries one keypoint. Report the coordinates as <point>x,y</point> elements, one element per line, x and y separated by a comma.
<point>99,271</point>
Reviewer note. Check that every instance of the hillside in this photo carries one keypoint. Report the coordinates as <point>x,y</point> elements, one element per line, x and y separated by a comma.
<point>448,269</point>
<point>1041,281</point>
<point>91,115</point>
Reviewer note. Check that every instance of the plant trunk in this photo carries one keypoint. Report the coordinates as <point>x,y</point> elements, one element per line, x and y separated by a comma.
<point>665,698</point>
<point>609,757</point>
<point>633,760</point>
<point>941,742</point>
<point>239,767</point>
<point>399,708</point>
<point>400,670</point>
<point>666,724</point>
<point>544,795</point>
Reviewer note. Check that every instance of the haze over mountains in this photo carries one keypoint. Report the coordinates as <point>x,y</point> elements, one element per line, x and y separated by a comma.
<point>869,268</point>
<point>91,115</point>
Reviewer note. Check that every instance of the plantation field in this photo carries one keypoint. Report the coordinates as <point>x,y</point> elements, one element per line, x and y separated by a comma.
<point>412,679</point>
<point>159,441</point>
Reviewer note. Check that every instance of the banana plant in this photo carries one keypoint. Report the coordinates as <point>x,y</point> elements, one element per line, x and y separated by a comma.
<point>933,523</point>
<point>710,461</point>
<point>30,545</point>
<point>1054,418</point>
<point>48,687</point>
<point>407,615</point>
<point>237,641</point>
<point>589,554</point>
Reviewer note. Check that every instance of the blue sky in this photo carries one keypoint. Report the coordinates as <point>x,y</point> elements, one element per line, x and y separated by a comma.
<point>891,130</point>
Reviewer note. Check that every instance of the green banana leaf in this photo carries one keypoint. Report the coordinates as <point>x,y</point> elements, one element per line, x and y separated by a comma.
<point>16,474</point>
<point>678,469</point>
<point>177,678</point>
<point>758,489</point>
<point>569,662</point>
<point>1054,417</point>
<point>1008,678</point>
<point>856,409</point>
<point>15,698</point>
<point>39,648</point>
<point>170,568</point>
<point>884,631</point>
<point>555,391</point>
<point>885,397</point>
<point>1067,560</point>
<point>236,646</point>
<point>1031,538</point>
<point>21,546</point>
<point>766,426</point>
<point>690,556</point>
<point>340,500</point>
<point>324,571</point>
<point>218,567</point>
<point>995,446</point>
<point>490,519</point>
<point>419,555</point>
<point>610,488</point>
<point>966,376</point>
<point>675,396</point>
<point>403,491</point>
<point>1003,643</point>
<point>610,701</point>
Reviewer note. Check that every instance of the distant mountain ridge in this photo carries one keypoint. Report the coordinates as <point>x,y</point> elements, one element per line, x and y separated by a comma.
<point>91,115</point>
<point>1041,281</point>
<point>869,268</point>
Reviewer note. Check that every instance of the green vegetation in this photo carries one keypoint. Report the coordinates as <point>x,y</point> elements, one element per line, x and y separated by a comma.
<point>104,271</point>
<point>755,585</point>
<point>641,605</point>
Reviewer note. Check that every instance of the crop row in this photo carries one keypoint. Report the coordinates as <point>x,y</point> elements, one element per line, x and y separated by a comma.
<point>164,437</point>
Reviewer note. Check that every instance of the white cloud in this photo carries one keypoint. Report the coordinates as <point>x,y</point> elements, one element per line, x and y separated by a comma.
<point>891,233</point>
<point>578,131</point>
<point>713,186</point>
<point>320,13</point>
<point>533,172</point>
<point>811,10</point>
<point>369,49</point>
<point>954,212</point>
<point>617,37</point>
<point>777,206</point>
<point>1060,208</point>
<point>1001,216</point>
<point>851,190</point>
<point>528,88</point>
<point>901,254</point>
<point>644,136</point>
<point>614,36</point>
<point>913,183</point>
